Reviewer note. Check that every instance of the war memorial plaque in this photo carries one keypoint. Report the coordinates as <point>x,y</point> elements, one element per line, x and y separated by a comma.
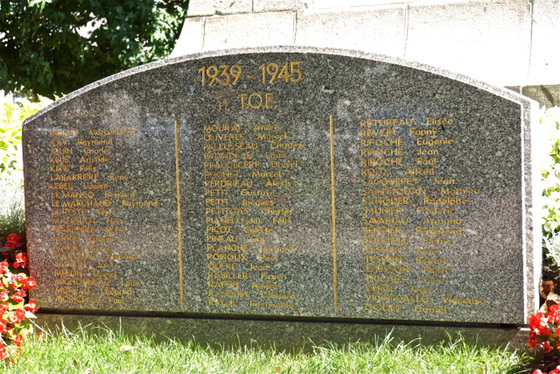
<point>290,183</point>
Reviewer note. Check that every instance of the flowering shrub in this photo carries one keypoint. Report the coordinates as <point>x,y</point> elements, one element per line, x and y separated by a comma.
<point>553,371</point>
<point>550,122</point>
<point>15,312</point>
<point>543,335</point>
<point>13,241</point>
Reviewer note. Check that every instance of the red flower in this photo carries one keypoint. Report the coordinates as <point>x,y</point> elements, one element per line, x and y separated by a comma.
<point>28,283</point>
<point>19,296</point>
<point>14,240</point>
<point>537,371</point>
<point>17,316</point>
<point>554,314</point>
<point>532,343</point>
<point>18,340</point>
<point>3,326</point>
<point>20,313</point>
<point>4,267</point>
<point>546,346</point>
<point>21,260</point>
<point>538,324</point>
<point>4,296</point>
<point>31,306</point>
<point>3,352</point>
<point>535,319</point>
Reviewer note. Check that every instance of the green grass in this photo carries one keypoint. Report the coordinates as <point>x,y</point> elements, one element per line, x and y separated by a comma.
<point>87,353</point>
<point>13,220</point>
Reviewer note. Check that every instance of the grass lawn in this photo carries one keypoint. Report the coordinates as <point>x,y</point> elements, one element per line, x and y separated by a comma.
<point>83,352</point>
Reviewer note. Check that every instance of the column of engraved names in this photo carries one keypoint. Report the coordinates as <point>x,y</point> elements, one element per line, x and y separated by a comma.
<point>84,220</point>
<point>226,153</point>
<point>276,177</point>
<point>441,214</point>
<point>247,199</point>
<point>387,196</point>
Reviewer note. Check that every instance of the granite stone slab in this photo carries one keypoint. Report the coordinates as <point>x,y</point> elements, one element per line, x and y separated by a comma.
<point>282,335</point>
<point>288,182</point>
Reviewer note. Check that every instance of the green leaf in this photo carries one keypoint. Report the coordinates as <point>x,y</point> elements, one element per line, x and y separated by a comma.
<point>43,54</point>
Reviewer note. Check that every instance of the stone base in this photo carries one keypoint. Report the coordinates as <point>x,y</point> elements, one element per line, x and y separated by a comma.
<point>283,335</point>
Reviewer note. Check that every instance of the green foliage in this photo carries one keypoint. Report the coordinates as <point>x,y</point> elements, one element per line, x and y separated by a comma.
<point>550,125</point>
<point>11,120</point>
<point>52,47</point>
<point>12,215</point>
<point>551,173</point>
<point>10,140</point>
<point>13,220</point>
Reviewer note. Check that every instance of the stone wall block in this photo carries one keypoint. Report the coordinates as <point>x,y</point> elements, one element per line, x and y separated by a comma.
<point>337,4</point>
<point>191,38</point>
<point>276,5</point>
<point>545,54</point>
<point>249,30</point>
<point>487,41</point>
<point>375,30</point>
<point>212,7</point>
